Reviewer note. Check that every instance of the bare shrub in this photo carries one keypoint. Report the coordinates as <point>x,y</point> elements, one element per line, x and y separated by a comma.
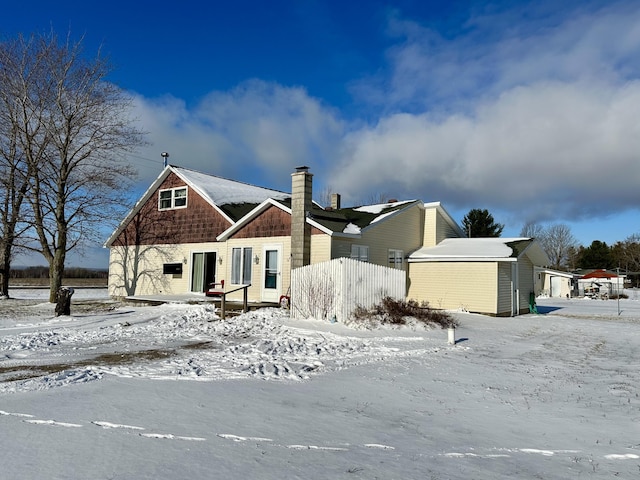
<point>397,312</point>
<point>316,296</point>
<point>615,296</point>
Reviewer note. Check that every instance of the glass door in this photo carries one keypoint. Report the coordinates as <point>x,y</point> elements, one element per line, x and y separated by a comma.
<point>203,270</point>
<point>197,272</point>
<point>271,274</point>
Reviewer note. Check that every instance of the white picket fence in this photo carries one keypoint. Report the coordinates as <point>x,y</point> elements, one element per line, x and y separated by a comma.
<point>335,288</point>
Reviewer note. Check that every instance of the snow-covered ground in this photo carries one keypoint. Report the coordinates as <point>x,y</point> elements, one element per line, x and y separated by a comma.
<point>171,392</point>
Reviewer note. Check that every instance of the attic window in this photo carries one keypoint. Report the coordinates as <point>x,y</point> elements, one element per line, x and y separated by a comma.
<point>172,198</point>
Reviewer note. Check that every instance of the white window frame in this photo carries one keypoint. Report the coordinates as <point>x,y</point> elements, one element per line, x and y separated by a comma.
<point>241,265</point>
<point>175,199</point>
<point>396,258</point>
<point>360,252</point>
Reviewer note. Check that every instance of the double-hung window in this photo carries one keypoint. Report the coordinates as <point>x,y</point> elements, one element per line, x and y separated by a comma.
<point>360,252</point>
<point>172,198</point>
<point>241,266</point>
<point>396,258</point>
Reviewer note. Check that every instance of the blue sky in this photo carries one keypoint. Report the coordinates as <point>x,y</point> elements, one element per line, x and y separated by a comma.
<point>528,109</point>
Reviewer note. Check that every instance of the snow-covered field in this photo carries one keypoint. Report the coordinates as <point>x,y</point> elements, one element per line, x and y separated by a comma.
<point>173,392</point>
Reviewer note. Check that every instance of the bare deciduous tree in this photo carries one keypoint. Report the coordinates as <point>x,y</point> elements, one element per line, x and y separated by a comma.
<point>22,140</point>
<point>85,129</point>
<point>533,230</point>
<point>557,243</point>
<point>630,258</point>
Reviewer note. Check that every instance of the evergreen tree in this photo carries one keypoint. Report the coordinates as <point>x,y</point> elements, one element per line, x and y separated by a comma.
<point>480,223</point>
<point>597,255</point>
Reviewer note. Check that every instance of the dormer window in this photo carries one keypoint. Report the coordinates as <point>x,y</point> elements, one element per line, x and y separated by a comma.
<point>172,198</point>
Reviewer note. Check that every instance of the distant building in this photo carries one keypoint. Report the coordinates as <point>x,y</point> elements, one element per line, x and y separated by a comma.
<point>599,283</point>
<point>554,283</point>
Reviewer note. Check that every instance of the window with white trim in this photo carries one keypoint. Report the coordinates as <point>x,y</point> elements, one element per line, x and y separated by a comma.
<point>241,265</point>
<point>396,258</point>
<point>360,252</point>
<point>172,198</point>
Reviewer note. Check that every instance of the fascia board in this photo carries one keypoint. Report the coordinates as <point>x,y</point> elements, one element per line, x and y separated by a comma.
<point>462,259</point>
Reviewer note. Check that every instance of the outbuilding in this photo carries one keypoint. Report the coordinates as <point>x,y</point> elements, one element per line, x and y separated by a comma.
<point>492,276</point>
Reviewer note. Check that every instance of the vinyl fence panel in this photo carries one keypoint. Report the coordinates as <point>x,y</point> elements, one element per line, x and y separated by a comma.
<point>335,288</point>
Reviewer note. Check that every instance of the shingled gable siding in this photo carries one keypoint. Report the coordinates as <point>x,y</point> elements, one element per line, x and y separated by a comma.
<point>197,223</point>
<point>273,222</point>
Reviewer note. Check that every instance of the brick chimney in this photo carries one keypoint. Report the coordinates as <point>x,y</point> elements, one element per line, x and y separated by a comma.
<point>301,191</point>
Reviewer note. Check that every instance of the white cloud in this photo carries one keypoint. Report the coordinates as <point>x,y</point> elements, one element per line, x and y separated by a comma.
<point>255,132</point>
<point>541,121</point>
<point>496,51</point>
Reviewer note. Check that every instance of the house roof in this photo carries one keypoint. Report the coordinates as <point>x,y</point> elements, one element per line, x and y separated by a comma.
<point>493,249</point>
<point>336,222</point>
<point>232,199</point>
<point>600,274</point>
<point>240,202</point>
<point>351,221</point>
<point>553,273</point>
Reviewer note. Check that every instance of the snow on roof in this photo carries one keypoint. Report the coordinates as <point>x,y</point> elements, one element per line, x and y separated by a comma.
<point>468,249</point>
<point>552,272</point>
<point>379,207</point>
<point>600,274</point>
<point>222,191</point>
<point>351,228</point>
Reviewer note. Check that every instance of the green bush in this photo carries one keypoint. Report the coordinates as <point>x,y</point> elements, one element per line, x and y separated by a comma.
<point>397,312</point>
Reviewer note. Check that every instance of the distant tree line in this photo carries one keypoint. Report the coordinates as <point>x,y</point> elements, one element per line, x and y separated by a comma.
<point>72,272</point>
<point>566,254</point>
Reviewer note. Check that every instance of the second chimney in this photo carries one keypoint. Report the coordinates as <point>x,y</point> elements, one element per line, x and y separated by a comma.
<point>335,201</point>
<point>301,191</point>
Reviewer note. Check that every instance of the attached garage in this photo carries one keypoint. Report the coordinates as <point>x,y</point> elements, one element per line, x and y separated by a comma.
<point>492,276</point>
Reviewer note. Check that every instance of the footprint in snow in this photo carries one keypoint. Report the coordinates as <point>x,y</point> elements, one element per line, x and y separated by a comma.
<point>169,436</point>
<point>54,423</point>
<point>381,447</point>
<point>116,425</point>
<point>11,414</point>
<point>316,447</point>
<point>624,456</point>
<point>237,438</point>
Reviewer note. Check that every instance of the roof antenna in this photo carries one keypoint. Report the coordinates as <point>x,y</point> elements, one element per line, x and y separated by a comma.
<point>165,155</point>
